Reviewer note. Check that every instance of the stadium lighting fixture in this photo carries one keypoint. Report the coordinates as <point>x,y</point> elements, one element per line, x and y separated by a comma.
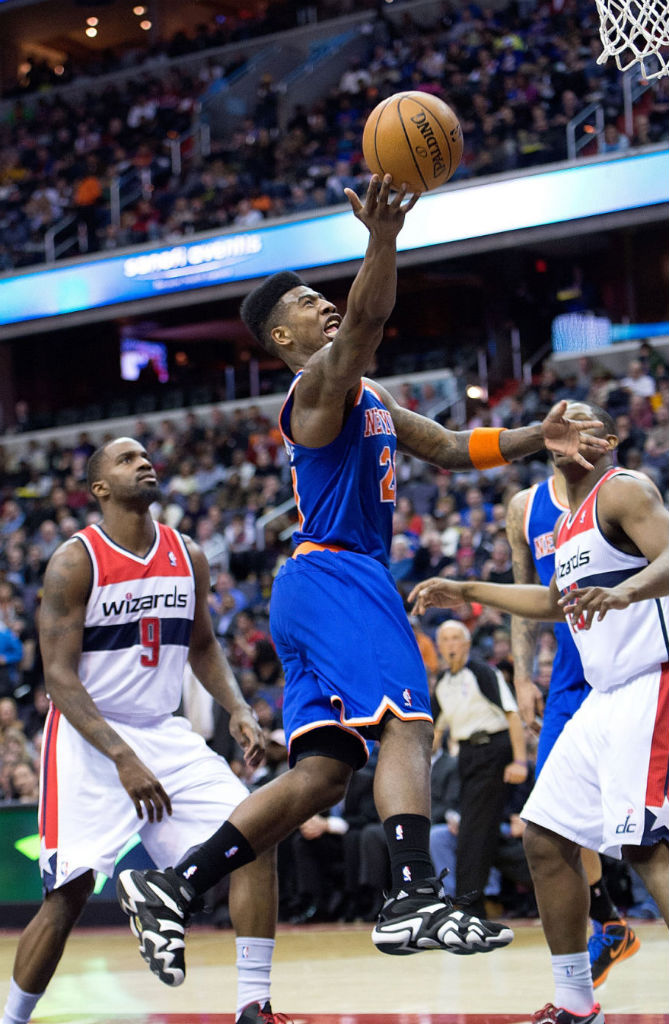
<point>146,25</point>
<point>91,32</point>
<point>139,10</point>
<point>92,22</point>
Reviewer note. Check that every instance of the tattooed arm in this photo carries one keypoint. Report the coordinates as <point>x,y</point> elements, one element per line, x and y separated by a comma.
<point>449,449</point>
<point>524,632</point>
<point>62,614</point>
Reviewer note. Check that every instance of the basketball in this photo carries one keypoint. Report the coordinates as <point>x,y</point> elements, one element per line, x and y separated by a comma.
<point>416,138</point>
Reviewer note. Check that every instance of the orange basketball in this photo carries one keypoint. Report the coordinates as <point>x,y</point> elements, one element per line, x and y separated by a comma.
<point>414,136</point>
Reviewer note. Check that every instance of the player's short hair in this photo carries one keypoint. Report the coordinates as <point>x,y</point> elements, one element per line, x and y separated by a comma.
<point>604,416</point>
<point>256,309</point>
<point>94,466</point>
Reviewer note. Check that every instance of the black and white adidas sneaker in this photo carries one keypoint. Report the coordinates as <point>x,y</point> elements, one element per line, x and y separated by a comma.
<point>420,916</point>
<point>158,906</point>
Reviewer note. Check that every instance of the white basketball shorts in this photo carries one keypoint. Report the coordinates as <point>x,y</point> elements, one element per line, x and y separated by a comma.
<point>605,780</point>
<point>86,816</point>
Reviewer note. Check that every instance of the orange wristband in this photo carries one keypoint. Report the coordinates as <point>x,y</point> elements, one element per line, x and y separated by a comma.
<point>484,450</point>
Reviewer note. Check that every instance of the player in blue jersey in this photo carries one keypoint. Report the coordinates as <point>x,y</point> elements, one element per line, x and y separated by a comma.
<point>353,668</point>
<point>530,528</point>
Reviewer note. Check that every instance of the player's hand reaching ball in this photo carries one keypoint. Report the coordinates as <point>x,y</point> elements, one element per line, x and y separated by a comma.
<point>382,215</point>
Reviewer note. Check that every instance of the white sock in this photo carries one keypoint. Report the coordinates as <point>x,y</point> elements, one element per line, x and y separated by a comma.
<point>254,963</point>
<point>573,982</point>
<point>19,1005</point>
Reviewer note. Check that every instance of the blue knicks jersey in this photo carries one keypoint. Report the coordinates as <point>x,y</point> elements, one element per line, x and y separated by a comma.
<point>345,490</point>
<point>542,511</point>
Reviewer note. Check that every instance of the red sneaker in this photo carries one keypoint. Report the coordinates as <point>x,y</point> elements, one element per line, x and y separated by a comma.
<point>556,1015</point>
<point>254,1013</point>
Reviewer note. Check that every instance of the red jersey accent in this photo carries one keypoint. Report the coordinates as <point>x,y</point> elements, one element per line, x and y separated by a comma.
<point>48,817</point>
<point>584,517</point>
<point>659,751</point>
<point>116,565</point>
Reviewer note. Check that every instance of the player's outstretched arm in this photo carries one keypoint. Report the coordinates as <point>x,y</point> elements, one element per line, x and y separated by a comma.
<point>632,515</point>
<point>484,448</point>
<point>212,669</point>
<point>524,632</point>
<point>331,376</point>
<point>534,602</point>
<point>61,629</point>
<point>371,298</point>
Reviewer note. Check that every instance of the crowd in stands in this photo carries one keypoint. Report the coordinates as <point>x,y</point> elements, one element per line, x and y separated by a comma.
<point>514,80</point>
<point>234,27</point>
<point>218,477</point>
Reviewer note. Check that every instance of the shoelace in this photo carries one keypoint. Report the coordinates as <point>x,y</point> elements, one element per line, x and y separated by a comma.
<point>599,941</point>
<point>466,899</point>
<point>275,1018</point>
<point>546,1015</point>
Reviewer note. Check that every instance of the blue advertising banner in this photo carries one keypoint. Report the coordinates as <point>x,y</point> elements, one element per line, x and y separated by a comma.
<point>460,212</point>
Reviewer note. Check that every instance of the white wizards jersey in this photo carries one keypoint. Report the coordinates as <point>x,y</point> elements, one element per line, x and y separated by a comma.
<point>138,624</point>
<point>629,641</point>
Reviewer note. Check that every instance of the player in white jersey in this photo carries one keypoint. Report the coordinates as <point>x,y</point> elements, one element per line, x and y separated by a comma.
<point>124,608</point>
<point>605,782</point>
<point>530,527</point>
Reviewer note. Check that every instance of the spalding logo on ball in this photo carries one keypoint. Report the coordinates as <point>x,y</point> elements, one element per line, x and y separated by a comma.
<point>416,138</point>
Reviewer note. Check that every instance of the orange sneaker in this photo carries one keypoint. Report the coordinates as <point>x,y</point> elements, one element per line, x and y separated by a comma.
<point>610,944</point>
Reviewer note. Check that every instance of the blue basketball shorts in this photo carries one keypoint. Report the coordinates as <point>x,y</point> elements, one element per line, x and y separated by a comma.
<point>561,704</point>
<point>348,651</point>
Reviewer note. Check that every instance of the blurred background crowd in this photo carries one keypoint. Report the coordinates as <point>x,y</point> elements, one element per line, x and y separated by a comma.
<point>517,77</point>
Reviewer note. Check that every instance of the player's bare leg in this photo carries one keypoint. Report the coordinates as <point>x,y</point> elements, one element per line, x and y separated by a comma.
<point>43,940</point>
<point>560,886</point>
<point>402,776</point>
<point>652,863</point>
<point>563,897</point>
<point>592,865</point>
<point>254,900</point>
<point>273,811</point>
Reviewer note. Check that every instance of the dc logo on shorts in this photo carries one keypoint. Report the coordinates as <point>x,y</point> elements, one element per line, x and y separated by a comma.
<point>399,833</point>
<point>406,697</point>
<point>406,873</point>
<point>172,558</point>
<point>246,952</point>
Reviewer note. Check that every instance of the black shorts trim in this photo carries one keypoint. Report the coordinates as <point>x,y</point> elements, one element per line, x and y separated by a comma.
<point>330,741</point>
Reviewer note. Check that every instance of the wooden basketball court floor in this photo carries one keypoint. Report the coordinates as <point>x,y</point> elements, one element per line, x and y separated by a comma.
<point>332,974</point>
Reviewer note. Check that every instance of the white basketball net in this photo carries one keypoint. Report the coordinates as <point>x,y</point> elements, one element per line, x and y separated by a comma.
<point>635,32</point>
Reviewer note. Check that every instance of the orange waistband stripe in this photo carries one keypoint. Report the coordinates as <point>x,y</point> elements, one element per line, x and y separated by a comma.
<point>484,450</point>
<point>308,545</point>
